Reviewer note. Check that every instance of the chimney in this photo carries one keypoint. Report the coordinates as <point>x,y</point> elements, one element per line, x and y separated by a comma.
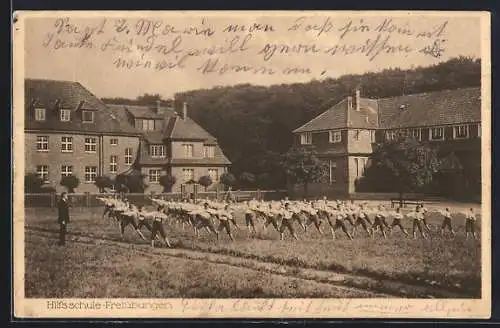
<point>358,97</point>
<point>184,110</point>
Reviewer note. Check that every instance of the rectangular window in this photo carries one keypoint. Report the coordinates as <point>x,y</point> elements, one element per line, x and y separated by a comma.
<point>66,170</point>
<point>209,151</point>
<point>335,136</point>
<point>90,145</point>
<point>148,125</point>
<point>113,164</point>
<point>187,174</point>
<point>461,132</point>
<point>40,114</point>
<point>65,115</point>
<point>154,175</point>
<point>42,143</point>
<point>306,138</point>
<point>128,156</point>
<point>157,150</point>
<point>113,141</point>
<point>67,144</point>
<point>90,174</point>
<point>333,171</point>
<point>390,135</point>
<point>188,150</point>
<point>43,172</point>
<point>436,133</point>
<point>87,116</point>
<point>214,174</point>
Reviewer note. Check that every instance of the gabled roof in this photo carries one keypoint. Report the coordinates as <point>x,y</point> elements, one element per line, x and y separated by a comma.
<point>422,109</point>
<point>144,111</point>
<point>187,129</point>
<point>54,95</point>
<point>431,108</point>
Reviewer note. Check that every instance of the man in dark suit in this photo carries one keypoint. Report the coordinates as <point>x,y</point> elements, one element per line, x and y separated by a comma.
<point>63,217</point>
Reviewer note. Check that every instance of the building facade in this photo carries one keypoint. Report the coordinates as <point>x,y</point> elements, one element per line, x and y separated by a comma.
<point>69,131</point>
<point>345,134</point>
<point>173,144</point>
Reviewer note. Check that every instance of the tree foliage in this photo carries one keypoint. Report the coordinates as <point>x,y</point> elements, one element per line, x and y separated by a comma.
<point>254,124</point>
<point>246,179</point>
<point>103,181</point>
<point>302,165</point>
<point>71,182</point>
<point>167,181</point>
<point>227,179</point>
<point>132,182</point>
<point>401,165</point>
<point>205,181</point>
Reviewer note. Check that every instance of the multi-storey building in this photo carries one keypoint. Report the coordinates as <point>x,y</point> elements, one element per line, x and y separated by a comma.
<point>69,131</point>
<point>173,144</point>
<point>345,134</point>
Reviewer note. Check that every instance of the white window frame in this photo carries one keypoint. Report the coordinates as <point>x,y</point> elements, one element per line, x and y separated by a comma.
<point>66,170</point>
<point>214,174</point>
<point>372,136</point>
<point>113,163</point>
<point>185,177</point>
<point>65,115</point>
<point>334,136</point>
<point>91,113</point>
<point>306,138</point>
<point>40,114</point>
<point>148,125</point>
<point>43,172</point>
<point>66,144</point>
<point>188,150</point>
<point>332,166</point>
<point>455,134</point>
<point>390,135</point>
<point>209,151</point>
<point>154,176</point>
<point>437,128</point>
<point>42,143</point>
<point>356,164</point>
<point>90,145</point>
<point>417,131</point>
<point>157,151</point>
<point>90,174</point>
<point>113,142</point>
<point>128,156</point>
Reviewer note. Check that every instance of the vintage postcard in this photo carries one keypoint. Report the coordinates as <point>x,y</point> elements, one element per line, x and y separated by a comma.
<point>264,164</point>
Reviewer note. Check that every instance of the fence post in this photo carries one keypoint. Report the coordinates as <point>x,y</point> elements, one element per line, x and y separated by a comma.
<point>52,199</point>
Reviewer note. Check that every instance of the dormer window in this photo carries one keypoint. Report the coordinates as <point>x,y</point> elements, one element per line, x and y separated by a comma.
<point>87,116</point>
<point>65,115</point>
<point>40,114</point>
<point>157,151</point>
<point>148,125</point>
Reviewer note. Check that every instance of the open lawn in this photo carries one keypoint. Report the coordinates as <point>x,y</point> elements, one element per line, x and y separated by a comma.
<point>96,262</point>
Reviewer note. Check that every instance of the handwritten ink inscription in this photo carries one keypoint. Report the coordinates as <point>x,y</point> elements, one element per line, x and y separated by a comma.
<point>209,47</point>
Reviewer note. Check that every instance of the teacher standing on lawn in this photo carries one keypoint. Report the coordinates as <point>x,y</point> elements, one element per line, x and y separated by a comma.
<point>63,217</point>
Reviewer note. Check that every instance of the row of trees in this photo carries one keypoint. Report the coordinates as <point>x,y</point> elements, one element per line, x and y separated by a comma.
<point>133,182</point>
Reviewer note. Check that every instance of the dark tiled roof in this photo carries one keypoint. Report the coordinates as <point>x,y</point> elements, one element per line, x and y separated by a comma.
<point>333,118</point>
<point>144,111</point>
<point>432,108</point>
<point>423,109</point>
<point>187,129</point>
<point>154,137</point>
<point>53,95</point>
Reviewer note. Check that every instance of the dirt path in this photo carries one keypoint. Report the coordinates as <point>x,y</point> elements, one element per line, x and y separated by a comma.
<point>370,286</point>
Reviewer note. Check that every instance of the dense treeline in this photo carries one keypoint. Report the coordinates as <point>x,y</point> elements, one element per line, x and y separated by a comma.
<point>254,123</point>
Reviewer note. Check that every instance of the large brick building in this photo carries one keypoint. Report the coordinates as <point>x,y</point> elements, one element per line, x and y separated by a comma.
<point>69,131</point>
<point>345,134</point>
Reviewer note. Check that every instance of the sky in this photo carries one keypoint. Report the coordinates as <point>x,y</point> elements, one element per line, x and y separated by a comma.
<point>95,69</point>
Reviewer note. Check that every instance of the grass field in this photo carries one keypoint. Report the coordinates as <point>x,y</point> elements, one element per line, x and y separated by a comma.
<point>96,262</point>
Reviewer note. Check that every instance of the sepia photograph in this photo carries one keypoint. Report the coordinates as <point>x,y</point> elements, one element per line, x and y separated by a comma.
<point>252,164</point>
